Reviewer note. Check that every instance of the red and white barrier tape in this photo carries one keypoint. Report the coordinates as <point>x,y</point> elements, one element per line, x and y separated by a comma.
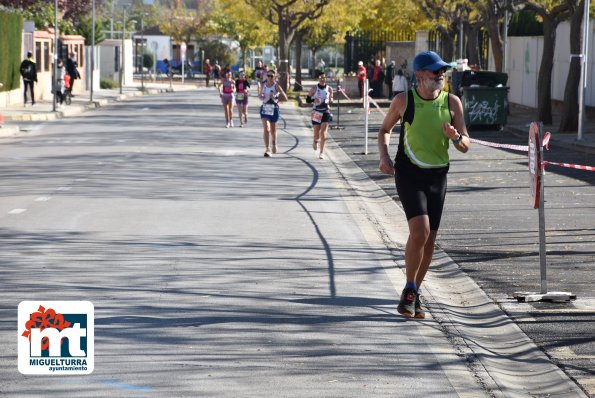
<point>376,105</point>
<point>522,148</point>
<point>569,165</point>
<point>344,94</point>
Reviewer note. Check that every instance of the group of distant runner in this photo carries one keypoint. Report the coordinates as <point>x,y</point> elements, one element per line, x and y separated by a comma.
<point>271,93</point>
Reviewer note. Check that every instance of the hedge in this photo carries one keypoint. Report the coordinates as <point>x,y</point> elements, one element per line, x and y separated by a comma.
<point>11,37</point>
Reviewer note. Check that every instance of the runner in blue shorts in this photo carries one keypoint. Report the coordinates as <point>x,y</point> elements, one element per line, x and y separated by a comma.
<point>271,93</point>
<point>321,96</point>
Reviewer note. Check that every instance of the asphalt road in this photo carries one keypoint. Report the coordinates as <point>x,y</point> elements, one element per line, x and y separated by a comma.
<point>491,231</point>
<point>213,271</point>
<point>217,272</point>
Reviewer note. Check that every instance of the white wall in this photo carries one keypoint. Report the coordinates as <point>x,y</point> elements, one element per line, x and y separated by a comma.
<point>524,59</point>
<point>107,65</point>
<point>163,43</point>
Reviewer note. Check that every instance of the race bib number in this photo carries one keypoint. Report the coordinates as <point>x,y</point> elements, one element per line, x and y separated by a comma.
<point>317,116</point>
<point>240,96</point>
<point>268,109</point>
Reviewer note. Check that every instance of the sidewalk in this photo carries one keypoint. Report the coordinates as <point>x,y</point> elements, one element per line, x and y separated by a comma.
<point>43,109</point>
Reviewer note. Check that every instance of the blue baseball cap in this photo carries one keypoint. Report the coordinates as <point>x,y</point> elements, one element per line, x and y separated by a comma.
<point>429,60</point>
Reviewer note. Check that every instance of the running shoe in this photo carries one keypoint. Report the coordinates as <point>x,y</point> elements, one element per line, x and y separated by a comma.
<point>321,156</point>
<point>407,301</point>
<point>419,312</point>
<point>231,123</point>
<point>267,153</point>
<point>226,125</point>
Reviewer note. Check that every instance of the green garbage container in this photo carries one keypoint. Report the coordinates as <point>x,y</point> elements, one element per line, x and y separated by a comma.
<point>485,106</point>
<point>485,98</point>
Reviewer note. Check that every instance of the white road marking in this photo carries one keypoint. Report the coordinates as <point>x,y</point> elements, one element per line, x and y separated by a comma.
<point>17,211</point>
<point>43,198</point>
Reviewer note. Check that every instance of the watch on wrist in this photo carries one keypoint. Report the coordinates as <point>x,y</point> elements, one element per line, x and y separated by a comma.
<point>458,139</point>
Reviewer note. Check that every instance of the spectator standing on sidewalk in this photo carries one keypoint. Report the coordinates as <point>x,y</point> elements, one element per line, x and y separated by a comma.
<point>29,74</point>
<point>321,97</point>
<point>377,79</point>
<point>430,119</point>
<point>388,78</point>
<point>399,83</point>
<point>321,69</point>
<point>60,84</point>
<point>207,69</point>
<point>216,71</point>
<point>72,70</point>
<point>270,93</point>
<point>361,78</point>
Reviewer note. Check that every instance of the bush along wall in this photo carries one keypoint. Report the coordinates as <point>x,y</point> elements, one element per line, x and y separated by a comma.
<point>11,37</point>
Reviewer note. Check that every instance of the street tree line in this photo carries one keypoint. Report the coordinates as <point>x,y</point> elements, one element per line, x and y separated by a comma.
<point>317,23</point>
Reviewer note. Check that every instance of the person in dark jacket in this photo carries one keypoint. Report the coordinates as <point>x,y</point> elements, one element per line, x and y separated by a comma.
<point>72,71</point>
<point>388,78</point>
<point>29,74</point>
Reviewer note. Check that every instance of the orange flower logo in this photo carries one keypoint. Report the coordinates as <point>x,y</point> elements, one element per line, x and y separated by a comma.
<point>43,319</point>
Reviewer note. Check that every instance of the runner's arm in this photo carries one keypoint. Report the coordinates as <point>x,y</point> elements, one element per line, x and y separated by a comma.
<point>394,114</point>
<point>458,128</point>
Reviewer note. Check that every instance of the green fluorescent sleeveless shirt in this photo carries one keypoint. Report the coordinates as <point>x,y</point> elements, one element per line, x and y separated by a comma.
<point>423,141</point>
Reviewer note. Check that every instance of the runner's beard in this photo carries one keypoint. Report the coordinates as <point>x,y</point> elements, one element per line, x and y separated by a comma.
<point>434,84</point>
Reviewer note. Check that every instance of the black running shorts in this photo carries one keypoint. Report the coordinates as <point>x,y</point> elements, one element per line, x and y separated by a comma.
<point>421,192</point>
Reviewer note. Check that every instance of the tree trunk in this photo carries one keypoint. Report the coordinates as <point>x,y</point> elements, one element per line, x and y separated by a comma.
<point>473,44</point>
<point>544,79</point>
<point>493,28</point>
<point>448,44</point>
<point>570,107</point>
<point>284,39</point>
<point>298,62</point>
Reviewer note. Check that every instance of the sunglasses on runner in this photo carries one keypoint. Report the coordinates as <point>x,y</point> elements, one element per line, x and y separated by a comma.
<point>443,70</point>
<point>270,75</point>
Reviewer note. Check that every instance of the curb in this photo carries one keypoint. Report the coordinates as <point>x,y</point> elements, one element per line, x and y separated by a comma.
<point>71,110</point>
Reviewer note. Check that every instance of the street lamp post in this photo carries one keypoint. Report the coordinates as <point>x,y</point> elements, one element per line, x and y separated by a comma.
<point>142,53</point>
<point>122,51</point>
<point>55,68</point>
<point>92,52</point>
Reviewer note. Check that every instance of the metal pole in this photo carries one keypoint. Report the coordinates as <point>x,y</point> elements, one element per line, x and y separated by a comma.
<point>92,52</point>
<point>461,52</point>
<point>584,71</point>
<point>122,51</point>
<point>366,105</point>
<point>505,34</point>
<point>142,53</point>
<point>542,252</point>
<point>55,68</point>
